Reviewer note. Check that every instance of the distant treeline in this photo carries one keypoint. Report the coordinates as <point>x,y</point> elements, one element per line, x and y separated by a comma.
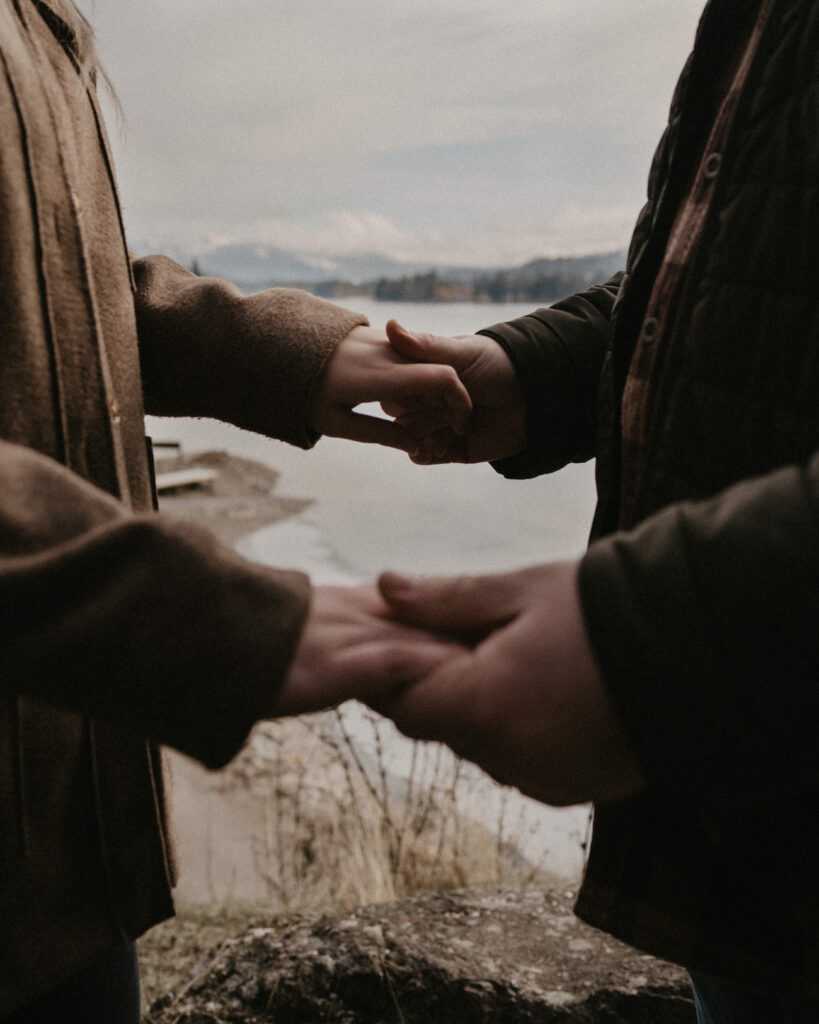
<point>541,281</point>
<point>524,284</point>
<point>502,286</point>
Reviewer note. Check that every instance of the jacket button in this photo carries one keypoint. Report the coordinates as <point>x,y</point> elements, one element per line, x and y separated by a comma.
<point>650,327</point>
<point>113,405</point>
<point>712,165</point>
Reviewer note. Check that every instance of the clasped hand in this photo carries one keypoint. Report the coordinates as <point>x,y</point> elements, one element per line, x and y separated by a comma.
<point>498,667</point>
<point>449,399</point>
<point>365,368</point>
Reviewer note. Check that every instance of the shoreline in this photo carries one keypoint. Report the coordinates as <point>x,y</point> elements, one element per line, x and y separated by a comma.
<point>239,501</point>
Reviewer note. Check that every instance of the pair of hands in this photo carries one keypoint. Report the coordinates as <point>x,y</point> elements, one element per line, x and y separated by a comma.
<point>498,667</point>
<point>449,399</point>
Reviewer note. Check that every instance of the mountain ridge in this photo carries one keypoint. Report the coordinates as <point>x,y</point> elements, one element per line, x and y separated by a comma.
<point>253,267</point>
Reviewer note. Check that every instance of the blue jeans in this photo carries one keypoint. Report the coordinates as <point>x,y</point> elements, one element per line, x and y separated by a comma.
<point>724,1002</point>
<point>106,993</point>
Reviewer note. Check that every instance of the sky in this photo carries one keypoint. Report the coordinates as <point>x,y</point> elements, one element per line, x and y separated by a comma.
<point>460,131</point>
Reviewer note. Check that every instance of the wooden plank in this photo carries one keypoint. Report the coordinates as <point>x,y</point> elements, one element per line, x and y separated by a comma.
<point>193,477</point>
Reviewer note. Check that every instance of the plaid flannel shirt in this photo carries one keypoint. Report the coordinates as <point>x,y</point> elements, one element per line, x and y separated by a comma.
<point>659,344</point>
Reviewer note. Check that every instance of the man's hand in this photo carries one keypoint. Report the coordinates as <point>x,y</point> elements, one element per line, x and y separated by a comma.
<point>496,427</point>
<point>352,647</point>
<point>528,703</point>
<point>364,368</point>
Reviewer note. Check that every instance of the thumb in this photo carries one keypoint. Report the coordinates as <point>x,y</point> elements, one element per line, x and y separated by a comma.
<point>453,604</point>
<point>422,347</point>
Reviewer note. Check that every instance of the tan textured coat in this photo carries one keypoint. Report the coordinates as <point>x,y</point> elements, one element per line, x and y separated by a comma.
<point>114,625</point>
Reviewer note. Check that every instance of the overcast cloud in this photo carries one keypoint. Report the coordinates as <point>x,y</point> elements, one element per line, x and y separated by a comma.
<point>460,130</point>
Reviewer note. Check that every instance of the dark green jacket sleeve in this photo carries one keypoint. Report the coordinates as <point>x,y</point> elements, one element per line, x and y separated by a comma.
<point>705,621</point>
<point>558,355</point>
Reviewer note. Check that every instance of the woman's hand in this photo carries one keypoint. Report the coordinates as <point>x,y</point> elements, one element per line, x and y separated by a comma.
<point>365,368</point>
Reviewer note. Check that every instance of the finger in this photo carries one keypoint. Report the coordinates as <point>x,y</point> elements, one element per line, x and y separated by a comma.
<point>431,460</point>
<point>426,384</point>
<point>380,667</point>
<point>357,426</point>
<point>395,409</point>
<point>408,404</point>
<point>428,459</point>
<point>431,420</point>
<point>454,603</point>
<point>419,386</point>
<point>423,347</point>
<point>449,705</point>
<point>373,670</point>
<point>440,447</point>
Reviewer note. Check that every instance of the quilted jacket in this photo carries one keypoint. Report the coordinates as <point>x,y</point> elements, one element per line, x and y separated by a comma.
<point>703,609</point>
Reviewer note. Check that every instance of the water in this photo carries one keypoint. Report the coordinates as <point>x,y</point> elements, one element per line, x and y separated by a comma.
<point>373,509</point>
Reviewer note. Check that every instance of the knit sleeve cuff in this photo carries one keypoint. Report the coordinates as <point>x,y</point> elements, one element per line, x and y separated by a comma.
<point>254,361</point>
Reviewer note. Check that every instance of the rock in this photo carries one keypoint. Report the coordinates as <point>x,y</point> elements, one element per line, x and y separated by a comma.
<point>467,957</point>
<point>240,500</point>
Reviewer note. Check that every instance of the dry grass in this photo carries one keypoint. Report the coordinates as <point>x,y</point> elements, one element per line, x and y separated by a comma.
<point>350,815</point>
<point>346,821</point>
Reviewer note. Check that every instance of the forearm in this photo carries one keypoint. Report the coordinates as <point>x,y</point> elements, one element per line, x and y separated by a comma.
<point>704,621</point>
<point>558,354</point>
<point>145,623</point>
<point>208,350</point>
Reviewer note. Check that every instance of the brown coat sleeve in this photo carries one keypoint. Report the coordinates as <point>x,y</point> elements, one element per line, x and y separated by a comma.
<point>208,350</point>
<point>136,620</point>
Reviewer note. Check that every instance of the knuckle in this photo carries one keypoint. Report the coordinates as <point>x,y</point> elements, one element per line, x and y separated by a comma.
<point>399,661</point>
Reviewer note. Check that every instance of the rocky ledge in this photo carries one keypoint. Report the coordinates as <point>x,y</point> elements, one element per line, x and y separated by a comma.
<point>467,957</point>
